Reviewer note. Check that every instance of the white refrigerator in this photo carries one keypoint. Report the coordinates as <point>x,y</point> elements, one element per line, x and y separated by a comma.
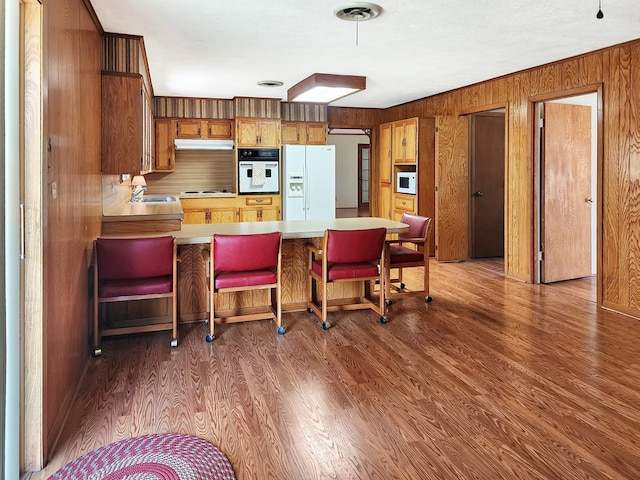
<point>309,182</point>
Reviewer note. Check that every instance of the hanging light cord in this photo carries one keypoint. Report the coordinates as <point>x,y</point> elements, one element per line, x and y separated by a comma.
<point>599,15</point>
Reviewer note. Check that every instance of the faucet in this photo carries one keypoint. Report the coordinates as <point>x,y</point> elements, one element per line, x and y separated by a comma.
<point>136,191</point>
<point>139,187</point>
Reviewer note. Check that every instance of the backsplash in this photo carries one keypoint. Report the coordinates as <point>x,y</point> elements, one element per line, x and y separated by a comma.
<point>114,191</point>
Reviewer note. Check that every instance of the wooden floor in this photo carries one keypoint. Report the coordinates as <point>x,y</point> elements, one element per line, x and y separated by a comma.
<point>495,379</point>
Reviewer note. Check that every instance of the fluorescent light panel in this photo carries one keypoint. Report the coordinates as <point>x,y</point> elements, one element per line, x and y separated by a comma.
<point>325,88</point>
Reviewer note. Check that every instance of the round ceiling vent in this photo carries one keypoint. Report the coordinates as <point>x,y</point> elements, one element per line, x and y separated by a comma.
<point>270,83</point>
<point>357,11</point>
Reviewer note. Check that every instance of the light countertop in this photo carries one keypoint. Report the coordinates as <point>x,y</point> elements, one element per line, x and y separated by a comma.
<point>135,211</point>
<point>198,234</point>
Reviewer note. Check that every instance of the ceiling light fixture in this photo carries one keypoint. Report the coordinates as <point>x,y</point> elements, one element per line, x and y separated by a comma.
<point>325,88</point>
<point>357,12</point>
<point>599,15</point>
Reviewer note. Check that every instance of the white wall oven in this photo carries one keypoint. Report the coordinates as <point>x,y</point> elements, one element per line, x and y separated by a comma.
<point>258,170</point>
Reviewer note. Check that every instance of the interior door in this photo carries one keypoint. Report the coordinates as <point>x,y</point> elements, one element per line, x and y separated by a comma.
<point>566,192</point>
<point>452,188</point>
<point>487,185</point>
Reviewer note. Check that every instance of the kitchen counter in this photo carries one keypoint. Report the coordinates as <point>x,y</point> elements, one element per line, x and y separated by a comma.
<point>135,211</point>
<point>138,218</point>
<point>194,242</point>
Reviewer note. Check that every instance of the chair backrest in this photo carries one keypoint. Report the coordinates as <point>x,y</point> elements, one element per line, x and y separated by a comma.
<point>242,253</point>
<point>354,246</point>
<point>134,258</point>
<point>418,226</point>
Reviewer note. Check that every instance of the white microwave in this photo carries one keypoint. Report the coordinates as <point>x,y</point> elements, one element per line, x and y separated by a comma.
<point>406,182</point>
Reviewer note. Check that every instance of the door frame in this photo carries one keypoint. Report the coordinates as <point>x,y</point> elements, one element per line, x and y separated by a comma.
<point>362,146</point>
<point>534,102</point>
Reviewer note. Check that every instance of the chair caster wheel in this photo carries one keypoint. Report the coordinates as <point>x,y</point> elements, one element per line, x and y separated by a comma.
<point>388,302</point>
<point>402,285</point>
<point>174,342</point>
<point>428,299</point>
<point>325,325</point>
<point>281,330</point>
<point>97,352</point>
<point>209,338</point>
<point>309,310</point>
<point>383,319</point>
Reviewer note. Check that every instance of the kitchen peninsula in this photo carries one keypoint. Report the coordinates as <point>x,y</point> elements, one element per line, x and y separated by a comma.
<point>194,241</point>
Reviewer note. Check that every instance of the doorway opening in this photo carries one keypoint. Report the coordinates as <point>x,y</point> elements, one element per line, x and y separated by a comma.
<point>486,184</point>
<point>567,169</point>
<point>363,176</point>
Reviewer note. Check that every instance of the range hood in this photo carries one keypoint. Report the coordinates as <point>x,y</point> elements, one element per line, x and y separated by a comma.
<point>203,144</point>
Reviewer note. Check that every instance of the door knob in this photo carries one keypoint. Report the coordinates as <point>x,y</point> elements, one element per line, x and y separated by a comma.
<point>477,194</point>
<point>588,200</point>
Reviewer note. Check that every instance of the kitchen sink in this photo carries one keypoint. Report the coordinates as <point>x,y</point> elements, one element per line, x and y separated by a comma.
<point>156,199</point>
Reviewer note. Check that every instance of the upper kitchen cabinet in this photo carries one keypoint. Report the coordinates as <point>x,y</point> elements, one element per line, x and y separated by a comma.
<point>405,140</point>
<point>257,132</point>
<point>304,133</point>
<point>127,125</point>
<point>210,129</point>
<point>165,154</point>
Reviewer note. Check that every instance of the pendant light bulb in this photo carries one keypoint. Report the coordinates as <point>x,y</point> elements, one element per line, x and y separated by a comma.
<point>599,15</point>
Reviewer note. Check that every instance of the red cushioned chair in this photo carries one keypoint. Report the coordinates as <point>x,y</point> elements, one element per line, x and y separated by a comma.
<point>245,262</point>
<point>133,269</point>
<point>411,249</point>
<point>346,256</point>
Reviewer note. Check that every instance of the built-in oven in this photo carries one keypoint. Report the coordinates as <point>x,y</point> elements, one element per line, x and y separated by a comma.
<point>258,170</point>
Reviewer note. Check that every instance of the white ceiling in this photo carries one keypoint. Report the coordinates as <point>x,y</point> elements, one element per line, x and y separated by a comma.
<point>414,49</point>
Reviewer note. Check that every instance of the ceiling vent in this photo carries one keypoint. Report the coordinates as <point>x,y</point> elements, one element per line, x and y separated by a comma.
<point>357,11</point>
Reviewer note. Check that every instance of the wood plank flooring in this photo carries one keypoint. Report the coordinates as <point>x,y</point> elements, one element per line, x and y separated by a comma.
<point>495,379</point>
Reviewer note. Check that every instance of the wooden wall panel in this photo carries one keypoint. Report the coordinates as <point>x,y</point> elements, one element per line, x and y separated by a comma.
<point>452,183</point>
<point>633,222</point>
<point>304,112</point>
<point>257,107</point>
<point>181,107</point>
<point>341,117</point>
<point>72,198</point>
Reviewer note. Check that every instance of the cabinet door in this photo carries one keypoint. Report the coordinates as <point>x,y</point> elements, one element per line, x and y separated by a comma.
<point>222,215</point>
<point>247,132</point>
<point>384,154</point>
<point>405,203</point>
<point>269,133</point>
<point>220,129</point>
<point>384,209</point>
<point>291,133</point>
<point>411,140</point>
<point>270,214</point>
<point>122,124</point>
<point>189,129</point>
<point>196,217</point>
<point>399,142</point>
<point>250,214</point>
<point>316,134</point>
<point>165,154</point>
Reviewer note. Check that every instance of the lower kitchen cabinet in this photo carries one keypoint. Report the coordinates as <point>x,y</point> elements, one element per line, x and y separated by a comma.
<point>259,214</point>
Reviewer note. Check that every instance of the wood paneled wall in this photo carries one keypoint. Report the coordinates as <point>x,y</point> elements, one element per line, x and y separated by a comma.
<point>303,112</point>
<point>181,107</point>
<point>125,54</point>
<point>614,71</point>
<point>72,200</point>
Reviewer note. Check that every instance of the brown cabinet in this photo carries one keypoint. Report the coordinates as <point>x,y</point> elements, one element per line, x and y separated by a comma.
<point>257,132</point>
<point>209,210</point>
<point>165,153</point>
<point>127,125</point>
<point>204,128</point>
<point>260,209</point>
<point>384,172</point>
<point>405,141</point>
<point>304,133</point>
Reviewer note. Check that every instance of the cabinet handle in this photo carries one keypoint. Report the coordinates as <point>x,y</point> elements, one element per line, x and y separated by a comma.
<point>259,200</point>
<point>198,131</point>
<point>169,161</point>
